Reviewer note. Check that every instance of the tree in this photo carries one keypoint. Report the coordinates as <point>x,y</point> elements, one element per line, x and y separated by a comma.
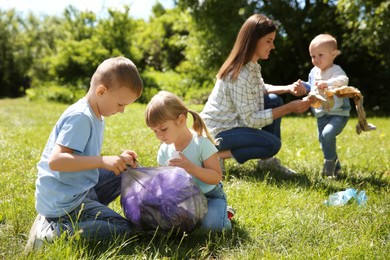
<point>366,38</point>
<point>14,58</point>
<point>86,41</point>
<point>216,25</point>
<point>360,27</point>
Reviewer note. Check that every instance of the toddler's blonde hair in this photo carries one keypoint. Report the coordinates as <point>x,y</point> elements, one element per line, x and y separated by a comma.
<point>325,39</point>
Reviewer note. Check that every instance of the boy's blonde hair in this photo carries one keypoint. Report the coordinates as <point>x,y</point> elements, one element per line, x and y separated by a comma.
<point>117,72</point>
<point>165,106</point>
<point>325,39</point>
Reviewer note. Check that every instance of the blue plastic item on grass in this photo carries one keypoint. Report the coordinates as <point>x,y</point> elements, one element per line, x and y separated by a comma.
<point>342,197</point>
<point>362,198</point>
<point>166,198</point>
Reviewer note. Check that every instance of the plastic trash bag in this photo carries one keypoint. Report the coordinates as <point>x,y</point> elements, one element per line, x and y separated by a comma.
<point>163,197</point>
<point>342,197</point>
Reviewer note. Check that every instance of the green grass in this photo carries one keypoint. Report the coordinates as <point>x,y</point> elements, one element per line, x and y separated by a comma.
<point>277,216</point>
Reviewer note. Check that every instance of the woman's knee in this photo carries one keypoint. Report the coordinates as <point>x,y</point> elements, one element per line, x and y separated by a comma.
<point>272,101</point>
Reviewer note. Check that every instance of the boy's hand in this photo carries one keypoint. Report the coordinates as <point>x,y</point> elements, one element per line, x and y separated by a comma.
<point>115,164</point>
<point>130,157</point>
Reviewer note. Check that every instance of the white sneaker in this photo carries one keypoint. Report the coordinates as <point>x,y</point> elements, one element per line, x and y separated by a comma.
<point>273,164</point>
<point>42,231</point>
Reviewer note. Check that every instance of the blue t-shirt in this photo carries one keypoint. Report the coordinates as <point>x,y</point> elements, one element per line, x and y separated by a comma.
<point>58,193</point>
<point>199,150</point>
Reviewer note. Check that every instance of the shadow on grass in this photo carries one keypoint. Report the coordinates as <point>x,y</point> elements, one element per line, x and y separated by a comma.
<point>196,245</point>
<point>306,178</point>
<point>251,173</point>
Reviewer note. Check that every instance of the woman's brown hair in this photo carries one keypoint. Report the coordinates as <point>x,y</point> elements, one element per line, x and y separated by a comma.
<point>254,28</point>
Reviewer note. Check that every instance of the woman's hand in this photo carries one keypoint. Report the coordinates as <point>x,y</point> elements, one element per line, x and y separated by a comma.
<point>299,106</point>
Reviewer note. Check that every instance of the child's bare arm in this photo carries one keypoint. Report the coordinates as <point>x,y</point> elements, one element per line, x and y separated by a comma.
<point>64,159</point>
<point>211,173</point>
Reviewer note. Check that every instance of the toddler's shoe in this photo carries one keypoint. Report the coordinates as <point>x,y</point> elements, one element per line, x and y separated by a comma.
<point>331,168</point>
<point>337,170</point>
<point>273,164</point>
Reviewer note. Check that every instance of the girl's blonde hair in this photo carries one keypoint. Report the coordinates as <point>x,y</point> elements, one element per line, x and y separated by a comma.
<point>255,27</point>
<point>165,106</point>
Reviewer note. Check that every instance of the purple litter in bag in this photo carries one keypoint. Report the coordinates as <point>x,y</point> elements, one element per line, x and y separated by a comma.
<point>163,197</point>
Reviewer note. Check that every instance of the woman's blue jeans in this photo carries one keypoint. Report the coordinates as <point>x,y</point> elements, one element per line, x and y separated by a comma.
<point>247,143</point>
<point>330,126</point>
<point>93,219</point>
<point>216,218</point>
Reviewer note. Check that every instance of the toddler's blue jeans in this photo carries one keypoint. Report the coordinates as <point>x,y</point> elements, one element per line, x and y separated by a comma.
<point>330,126</point>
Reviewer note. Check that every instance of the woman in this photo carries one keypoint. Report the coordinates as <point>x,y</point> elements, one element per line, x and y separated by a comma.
<point>243,112</point>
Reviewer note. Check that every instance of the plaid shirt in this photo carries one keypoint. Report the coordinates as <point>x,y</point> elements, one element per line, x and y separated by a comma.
<point>238,103</point>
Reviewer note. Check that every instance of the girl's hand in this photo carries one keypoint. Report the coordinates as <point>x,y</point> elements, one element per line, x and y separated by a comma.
<point>181,162</point>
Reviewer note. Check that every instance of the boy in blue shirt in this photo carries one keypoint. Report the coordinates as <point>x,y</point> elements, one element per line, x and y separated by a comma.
<point>75,182</point>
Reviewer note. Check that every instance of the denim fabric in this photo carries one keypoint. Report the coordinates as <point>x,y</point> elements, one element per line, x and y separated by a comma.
<point>249,143</point>
<point>93,219</point>
<point>216,218</point>
<point>330,126</point>
<point>273,101</point>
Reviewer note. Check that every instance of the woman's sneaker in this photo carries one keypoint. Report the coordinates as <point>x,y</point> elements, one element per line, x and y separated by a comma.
<point>273,164</point>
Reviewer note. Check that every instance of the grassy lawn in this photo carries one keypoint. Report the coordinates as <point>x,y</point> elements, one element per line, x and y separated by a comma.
<point>277,216</point>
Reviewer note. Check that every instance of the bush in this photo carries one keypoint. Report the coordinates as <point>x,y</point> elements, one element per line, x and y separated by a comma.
<point>199,96</point>
<point>54,93</point>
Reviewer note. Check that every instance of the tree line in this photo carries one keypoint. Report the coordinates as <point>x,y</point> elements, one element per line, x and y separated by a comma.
<point>181,49</point>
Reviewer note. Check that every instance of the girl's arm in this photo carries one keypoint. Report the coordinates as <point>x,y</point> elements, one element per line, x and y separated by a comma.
<point>211,173</point>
